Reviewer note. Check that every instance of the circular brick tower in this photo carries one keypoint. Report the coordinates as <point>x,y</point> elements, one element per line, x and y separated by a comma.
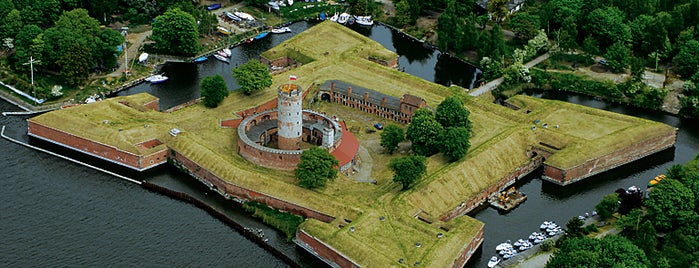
<point>289,121</point>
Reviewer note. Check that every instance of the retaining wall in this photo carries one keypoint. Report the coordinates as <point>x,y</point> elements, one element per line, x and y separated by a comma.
<point>228,189</point>
<point>327,253</point>
<point>617,158</point>
<point>468,250</point>
<point>503,183</point>
<point>99,150</point>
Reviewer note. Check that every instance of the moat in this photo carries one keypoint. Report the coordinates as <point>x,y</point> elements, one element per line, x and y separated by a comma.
<point>529,203</point>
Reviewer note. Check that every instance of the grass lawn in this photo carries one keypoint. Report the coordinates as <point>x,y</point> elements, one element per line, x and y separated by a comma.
<point>500,141</point>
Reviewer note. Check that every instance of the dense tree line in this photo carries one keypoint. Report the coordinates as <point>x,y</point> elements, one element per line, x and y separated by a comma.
<point>671,209</point>
<point>446,130</point>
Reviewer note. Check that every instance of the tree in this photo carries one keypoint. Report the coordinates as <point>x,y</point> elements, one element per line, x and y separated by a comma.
<point>74,27</point>
<point>25,38</point>
<point>492,69</point>
<point>631,221</point>
<point>252,76</point>
<point>498,9</point>
<point>574,227</point>
<point>618,57</point>
<point>497,43</point>
<point>610,251</point>
<point>558,10</point>
<point>40,13</point>
<point>391,136</point>
<point>524,25</point>
<point>213,90</point>
<point>669,203</point>
<point>607,26</point>
<point>403,13</point>
<point>317,166</point>
<point>423,131</point>
<point>687,60</point>
<point>567,37</point>
<point>176,32</point>
<point>11,25</point>
<point>646,238</point>
<point>608,205</point>
<point>107,41</point>
<point>455,142</point>
<point>452,113</point>
<point>407,170</point>
<point>76,63</point>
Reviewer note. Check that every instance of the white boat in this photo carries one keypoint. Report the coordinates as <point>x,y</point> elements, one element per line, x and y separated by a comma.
<point>281,30</point>
<point>221,53</point>
<point>233,17</point>
<point>221,58</point>
<point>228,52</point>
<point>342,19</point>
<point>143,57</point>
<point>291,2</point>
<point>503,246</point>
<point>364,20</point>
<point>243,15</point>
<point>493,261</point>
<point>334,17</point>
<point>546,224</point>
<point>157,78</point>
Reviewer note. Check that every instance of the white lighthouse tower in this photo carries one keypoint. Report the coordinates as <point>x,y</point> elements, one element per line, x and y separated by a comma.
<point>290,117</point>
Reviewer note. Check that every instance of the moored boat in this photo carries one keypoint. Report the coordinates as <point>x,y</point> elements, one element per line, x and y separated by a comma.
<point>157,78</point>
<point>365,20</point>
<point>200,59</point>
<point>221,58</point>
<point>221,53</point>
<point>493,261</point>
<point>228,52</point>
<point>321,16</point>
<point>223,30</point>
<point>261,35</point>
<point>334,17</point>
<point>342,19</point>
<point>243,15</point>
<point>281,30</point>
<point>351,20</point>
<point>656,180</point>
<point>233,17</point>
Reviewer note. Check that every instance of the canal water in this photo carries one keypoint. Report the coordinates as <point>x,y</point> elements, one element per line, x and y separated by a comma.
<point>59,213</point>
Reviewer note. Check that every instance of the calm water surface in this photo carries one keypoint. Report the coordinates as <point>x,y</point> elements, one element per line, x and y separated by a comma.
<point>53,212</point>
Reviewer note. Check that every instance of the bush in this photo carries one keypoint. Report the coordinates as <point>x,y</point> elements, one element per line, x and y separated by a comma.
<point>283,221</point>
<point>547,245</point>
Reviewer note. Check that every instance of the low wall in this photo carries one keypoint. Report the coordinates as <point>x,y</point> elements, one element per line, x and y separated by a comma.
<point>99,150</point>
<point>228,189</point>
<point>503,183</point>
<point>327,253</point>
<point>615,159</point>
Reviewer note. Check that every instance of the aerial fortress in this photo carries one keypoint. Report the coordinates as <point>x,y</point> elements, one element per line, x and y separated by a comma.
<point>352,223</point>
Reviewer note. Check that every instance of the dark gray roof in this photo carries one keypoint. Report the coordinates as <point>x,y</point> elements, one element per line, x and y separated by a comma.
<point>358,93</point>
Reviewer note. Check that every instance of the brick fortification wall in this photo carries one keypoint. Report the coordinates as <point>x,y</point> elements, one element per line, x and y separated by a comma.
<point>229,189</point>
<point>97,149</point>
<point>468,251</point>
<point>617,158</point>
<point>323,250</point>
<point>508,180</point>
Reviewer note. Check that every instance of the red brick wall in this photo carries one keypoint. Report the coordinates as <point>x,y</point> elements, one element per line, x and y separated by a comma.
<point>230,123</point>
<point>203,174</point>
<point>104,151</point>
<point>153,105</point>
<point>610,161</point>
<point>469,250</point>
<point>324,250</point>
<point>268,159</point>
<point>272,104</point>
<point>501,185</point>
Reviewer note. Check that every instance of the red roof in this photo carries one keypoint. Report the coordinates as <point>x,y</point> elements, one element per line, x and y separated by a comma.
<point>348,147</point>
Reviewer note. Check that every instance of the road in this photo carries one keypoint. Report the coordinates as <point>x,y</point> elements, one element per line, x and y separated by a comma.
<point>495,83</point>
<point>135,41</point>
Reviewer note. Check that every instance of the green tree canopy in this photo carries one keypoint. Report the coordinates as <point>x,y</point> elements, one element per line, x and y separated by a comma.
<point>423,131</point>
<point>176,32</point>
<point>607,26</point>
<point>618,57</point>
<point>213,90</point>
<point>407,170</point>
<point>12,23</point>
<point>610,251</point>
<point>25,38</point>
<point>73,28</point>
<point>687,60</point>
<point>317,166</point>
<point>524,25</point>
<point>669,203</point>
<point>76,64</point>
<point>574,227</point>
<point>455,142</point>
<point>391,136</point>
<point>608,205</point>
<point>252,76</point>
<point>452,113</point>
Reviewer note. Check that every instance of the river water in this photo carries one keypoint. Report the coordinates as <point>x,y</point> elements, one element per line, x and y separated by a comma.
<point>58,213</point>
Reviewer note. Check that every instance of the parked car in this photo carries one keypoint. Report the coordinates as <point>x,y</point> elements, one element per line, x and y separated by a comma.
<point>603,62</point>
<point>378,126</point>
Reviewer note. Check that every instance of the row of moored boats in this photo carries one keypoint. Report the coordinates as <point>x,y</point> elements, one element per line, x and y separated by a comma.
<point>345,18</point>
<point>508,249</point>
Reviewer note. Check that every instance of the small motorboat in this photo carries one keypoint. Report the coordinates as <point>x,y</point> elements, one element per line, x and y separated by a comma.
<point>365,20</point>
<point>519,243</point>
<point>261,35</point>
<point>351,20</point>
<point>503,246</point>
<point>281,30</point>
<point>342,19</point>
<point>221,53</point>
<point>200,59</point>
<point>223,30</point>
<point>493,261</point>
<point>228,52</point>
<point>322,16</point>
<point>143,57</point>
<point>233,17</point>
<point>334,17</point>
<point>221,58</point>
<point>157,78</point>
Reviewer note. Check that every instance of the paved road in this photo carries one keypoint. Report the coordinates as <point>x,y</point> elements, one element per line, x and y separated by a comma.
<point>135,43</point>
<point>495,83</point>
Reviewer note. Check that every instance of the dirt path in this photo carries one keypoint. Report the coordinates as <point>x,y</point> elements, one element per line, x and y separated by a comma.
<point>495,83</point>
<point>135,42</point>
